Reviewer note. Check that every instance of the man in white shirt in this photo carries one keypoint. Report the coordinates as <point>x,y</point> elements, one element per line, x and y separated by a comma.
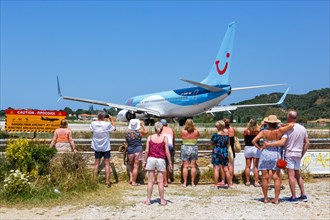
<point>296,143</point>
<point>101,144</point>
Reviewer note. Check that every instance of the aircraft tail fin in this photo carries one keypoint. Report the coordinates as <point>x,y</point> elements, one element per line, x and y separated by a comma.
<point>219,74</point>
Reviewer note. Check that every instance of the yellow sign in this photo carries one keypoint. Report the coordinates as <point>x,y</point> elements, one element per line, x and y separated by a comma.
<point>33,120</point>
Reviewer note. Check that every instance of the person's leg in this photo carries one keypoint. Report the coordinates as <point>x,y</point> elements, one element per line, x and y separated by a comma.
<point>185,172</point>
<point>300,183</point>
<point>193,171</point>
<point>165,180</point>
<point>161,187</point>
<point>107,171</point>
<point>247,170</point>
<point>228,176</point>
<point>135,170</point>
<point>216,169</point>
<point>264,184</point>
<point>222,176</point>
<point>96,169</point>
<point>151,180</point>
<point>231,169</point>
<point>131,166</point>
<point>292,182</point>
<point>256,172</point>
<point>277,184</point>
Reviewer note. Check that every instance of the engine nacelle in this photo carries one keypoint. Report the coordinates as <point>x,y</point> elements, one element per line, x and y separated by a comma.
<point>125,115</point>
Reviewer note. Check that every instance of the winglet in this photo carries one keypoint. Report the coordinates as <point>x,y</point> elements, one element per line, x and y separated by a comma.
<point>280,102</point>
<point>59,90</point>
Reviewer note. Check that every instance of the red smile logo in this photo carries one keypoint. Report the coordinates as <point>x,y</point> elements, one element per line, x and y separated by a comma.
<point>217,62</point>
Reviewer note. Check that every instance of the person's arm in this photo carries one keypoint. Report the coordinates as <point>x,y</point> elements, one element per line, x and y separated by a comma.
<point>72,142</point>
<point>306,146</point>
<point>112,122</point>
<point>53,142</point>
<point>256,139</point>
<point>173,142</point>
<point>144,130</point>
<point>168,155</point>
<point>146,152</point>
<point>285,128</point>
<point>278,143</point>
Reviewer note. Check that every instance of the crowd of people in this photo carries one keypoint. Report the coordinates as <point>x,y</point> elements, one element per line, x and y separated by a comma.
<point>289,141</point>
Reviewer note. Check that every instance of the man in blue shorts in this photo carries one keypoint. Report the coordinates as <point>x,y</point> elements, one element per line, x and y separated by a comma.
<point>101,144</point>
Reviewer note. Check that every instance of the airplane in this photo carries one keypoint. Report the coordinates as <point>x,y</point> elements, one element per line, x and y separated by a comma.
<point>49,119</point>
<point>184,103</point>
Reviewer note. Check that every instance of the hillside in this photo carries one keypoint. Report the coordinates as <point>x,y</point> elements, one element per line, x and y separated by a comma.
<point>311,106</point>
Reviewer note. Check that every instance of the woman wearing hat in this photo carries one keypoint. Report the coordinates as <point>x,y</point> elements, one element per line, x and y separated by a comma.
<point>133,136</point>
<point>270,155</point>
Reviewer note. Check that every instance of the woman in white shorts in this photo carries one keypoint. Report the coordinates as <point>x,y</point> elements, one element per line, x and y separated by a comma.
<point>156,152</point>
<point>251,153</point>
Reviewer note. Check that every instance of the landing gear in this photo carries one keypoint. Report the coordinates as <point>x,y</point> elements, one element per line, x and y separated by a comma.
<point>149,121</point>
<point>130,116</point>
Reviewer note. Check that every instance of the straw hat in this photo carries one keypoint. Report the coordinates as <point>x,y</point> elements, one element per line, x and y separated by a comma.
<point>272,119</point>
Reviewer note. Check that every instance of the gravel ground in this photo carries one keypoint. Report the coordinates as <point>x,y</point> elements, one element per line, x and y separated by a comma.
<point>201,202</point>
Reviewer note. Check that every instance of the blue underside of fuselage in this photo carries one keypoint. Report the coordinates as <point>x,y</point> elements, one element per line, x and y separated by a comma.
<point>181,97</point>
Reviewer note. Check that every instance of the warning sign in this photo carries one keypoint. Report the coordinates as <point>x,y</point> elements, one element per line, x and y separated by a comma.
<point>33,120</point>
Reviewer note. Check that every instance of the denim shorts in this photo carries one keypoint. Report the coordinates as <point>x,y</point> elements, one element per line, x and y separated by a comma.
<point>189,152</point>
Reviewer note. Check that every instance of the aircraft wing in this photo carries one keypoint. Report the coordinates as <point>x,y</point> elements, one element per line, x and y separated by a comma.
<point>234,107</point>
<point>111,105</point>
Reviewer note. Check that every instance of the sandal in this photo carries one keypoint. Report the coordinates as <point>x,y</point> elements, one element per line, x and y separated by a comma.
<point>215,187</point>
<point>147,202</point>
<point>164,203</point>
<point>256,185</point>
<point>184,186</point>
<point>136,184</point>
<point>247,184</point>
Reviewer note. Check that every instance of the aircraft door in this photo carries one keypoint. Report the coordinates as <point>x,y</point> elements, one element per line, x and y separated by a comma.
<point>195,100</point>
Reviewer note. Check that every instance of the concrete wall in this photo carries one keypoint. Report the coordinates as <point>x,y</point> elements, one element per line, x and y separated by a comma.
<point>314,161</point>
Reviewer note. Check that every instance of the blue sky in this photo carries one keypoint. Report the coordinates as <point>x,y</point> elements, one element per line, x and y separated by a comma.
<point>112,50</point>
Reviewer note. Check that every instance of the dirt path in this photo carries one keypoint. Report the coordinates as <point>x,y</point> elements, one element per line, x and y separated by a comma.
<point>193,203</point>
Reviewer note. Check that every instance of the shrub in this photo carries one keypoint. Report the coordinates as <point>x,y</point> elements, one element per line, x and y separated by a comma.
<point>30,158</point>
<point>70,171</point>
<point>16,182</point>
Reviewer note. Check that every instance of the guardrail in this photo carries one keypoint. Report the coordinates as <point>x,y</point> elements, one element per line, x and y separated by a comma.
<point>204,144</point>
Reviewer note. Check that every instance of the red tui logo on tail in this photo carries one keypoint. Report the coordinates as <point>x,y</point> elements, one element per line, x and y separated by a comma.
<point>217,62</point>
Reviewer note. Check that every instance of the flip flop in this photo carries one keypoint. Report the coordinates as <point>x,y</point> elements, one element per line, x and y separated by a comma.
<point>147,203</point>
<point>136,184</point>
<point>221,184</point>
<point>184,186</point>
<point>165,203</point>
<point>214,187</point>
<point>276,203</point>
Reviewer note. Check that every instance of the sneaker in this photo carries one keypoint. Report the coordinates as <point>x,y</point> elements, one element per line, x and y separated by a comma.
<point>303,198</point>
<point>293,201</point>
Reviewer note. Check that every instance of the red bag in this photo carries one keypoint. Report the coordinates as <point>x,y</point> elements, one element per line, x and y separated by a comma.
<point>281,164</point>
